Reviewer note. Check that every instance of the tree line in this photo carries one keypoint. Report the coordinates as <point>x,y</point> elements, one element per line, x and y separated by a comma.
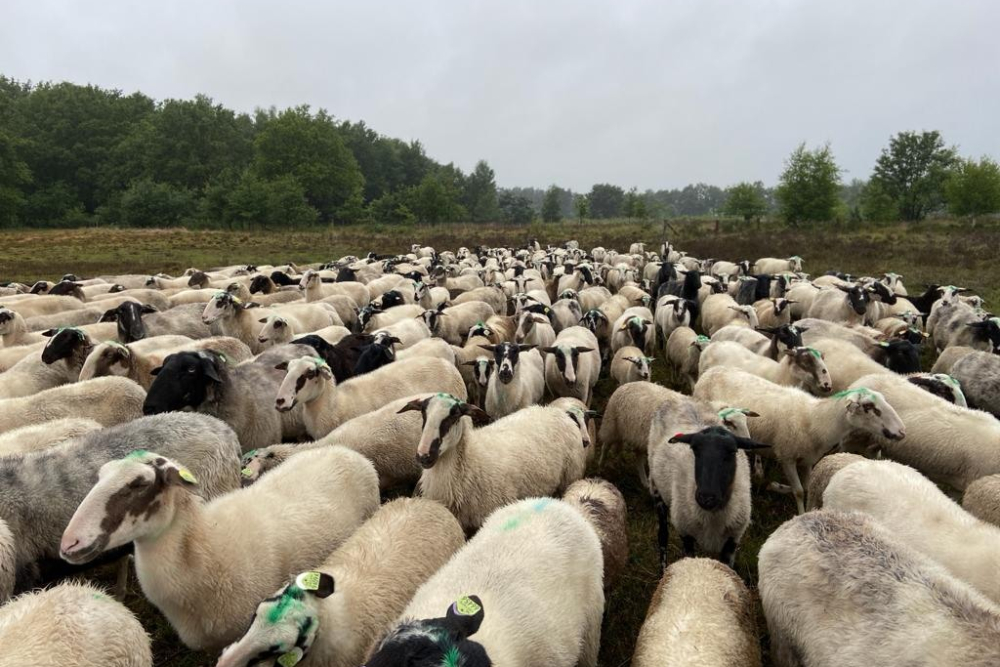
<point>74,155</point>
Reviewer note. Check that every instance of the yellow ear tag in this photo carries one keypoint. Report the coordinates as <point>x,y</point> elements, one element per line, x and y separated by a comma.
<point>246,472</point>
<point>291,658</point>
<point>187,476</point>
<point>308,581</point>
<point>466,606</point>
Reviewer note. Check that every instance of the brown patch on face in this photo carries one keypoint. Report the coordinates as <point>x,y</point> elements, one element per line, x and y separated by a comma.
<point>136,499</point>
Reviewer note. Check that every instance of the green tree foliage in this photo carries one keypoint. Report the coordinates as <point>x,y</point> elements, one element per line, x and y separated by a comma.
<point>973,188</point>
<point>809,186</point>
<point>271,203</point>
<point>515,209</point>
<point>436,200</point>
<point>147,203</point>
<point>14,177</point>
<point>876,205</point>
<point>480,193</point>
<point>606,201</point>
<point>912,171</point>
<point>581,206</point>
<point>746,200</point>
<point>551,210</point>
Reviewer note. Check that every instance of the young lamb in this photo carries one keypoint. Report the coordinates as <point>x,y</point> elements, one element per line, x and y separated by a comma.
<point>35,438</point>
<point>518,380</point>
<point>526,590</point>
<point>634,327</point>
<point>603,505</point>
<point>949,444</point>
<point>138,360</point>
<point>573,364</point>
<point>326,404</point>
<point>841,590</point>
<point>701,614</point>
<point>823,472</point>
<point>42,489</point>
<point>239,395</point>
<point>14,331</point>
<point>108,401</point>
<point>684,348</point>
<point>978,373</point>
<point>982,499</point>
<point>773,313</point>
<point>800,367</point>
<point>720,310</point>
<point>188,554</point>
<point>922,517</point>
<point>332,615</point>
<point>472,472</point>
<point>315,290</point>
<point>73,624</point>
<point>799,427</point>
<point>630,365</point>
<point>773,265</point>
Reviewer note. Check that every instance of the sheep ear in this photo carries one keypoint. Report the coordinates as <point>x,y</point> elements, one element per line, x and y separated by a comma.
<point>147,309</point>
<point>525,348</point>
<point>464,617</point>
<point>479,416</point>
<point>549,350</point>
<point>319,584</point>
<point>416,405</point>
<point>211,371</point>
<point>683,437</point>
<point>592,414</point>
<point>109,316</point>
<point>750,413</point>
<point>283,366</point>
<point>49,333</point>
<point>263,320</point>
<point>156,371</point>
<point>747,443</point>
<point>583,350</point>
<point>488,348</point>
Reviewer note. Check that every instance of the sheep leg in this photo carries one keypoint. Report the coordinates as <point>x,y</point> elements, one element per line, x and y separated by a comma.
<point>805,471</point>
<point>758,466</point>
<point>640,468</point>
<point>792,473</point>
<point>728,553</point>
<point>591,642</point>
<point>121,581</point>
<point>688,543</point>
<point>663,535</point>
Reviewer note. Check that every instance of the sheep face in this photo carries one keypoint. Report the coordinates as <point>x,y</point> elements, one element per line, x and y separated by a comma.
<point>582,418</point>
<point>223,304</point>
<point>64,344</point>
<point>482,369</point>
<point>183,381</point>
<point>858,298</point>
<point>988,330</point>
<point>284,626</point>
<point>261,285</point>
<point>67,288</point>
<point>883,293</point>
<point>506,355</point>
<point>735,421</point>
<point>809,370</point>
<point>6,321</point>
<point>305,380</point>
<point>638,330</point>
<point>567,360</point>
<point>275,331</point>
<point>442,424</point>
<point>132,499</point>
<point>309,279</point>
<point>715,450</point>
<point>868,411</point>
<point>128,315</point>
<point>902,356</point>
<point>642,365</point>
<point>436,641</point>
<point>106,359</point>
<point>391,298</point>
<point>432,318</point>
<point>198,280</point>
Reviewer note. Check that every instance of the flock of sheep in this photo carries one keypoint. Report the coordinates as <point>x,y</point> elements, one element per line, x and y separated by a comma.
<point>231,432</point>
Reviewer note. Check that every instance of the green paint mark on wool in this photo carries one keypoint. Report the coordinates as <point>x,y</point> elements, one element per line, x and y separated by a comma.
<point>137,454</point>
<point>452,657</point>
<point>814,352</point>
<point>289,599</point>
<point>851,392</point>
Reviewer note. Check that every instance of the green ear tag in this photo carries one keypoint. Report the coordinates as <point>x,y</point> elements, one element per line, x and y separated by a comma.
<point>466,606</point>
<point>291,658</point>
<point>187,476</point>
<point>308,581</point>
<point>246,472</point>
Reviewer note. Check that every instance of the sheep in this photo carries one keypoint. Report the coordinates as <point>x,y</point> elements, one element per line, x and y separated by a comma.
<point>239,395</point>
<point>603,505</point>
<point>844,304</point>
<point>592,297</point>
<point>243,320</point>
<point>548,614</point>
<point>179,321</point>
<point>185,548</point>
<point>372,318</point>
<point>518,380</point>
<point>773,265</point>
<point>684,348</point>
<point>948,444</point>
<point>491,296</point>
<point>534,328</point>
<point>33,306</point>
<point>671,312</point>
<point>960,324</point>
<point>978,373</point>
<point>315,289</point>
<point>848,363</point>
<point>429,296</point>
<point>721,310</point>
<point>326,403</point>
<point>473,472</point>
<point>800,367</point>
<point>42,489</point>
<point>701,614</point>
<point>823,472</point>
<point>765,342</point>
<point>57,364</point>
<point>453,322</point>
<point>14,330</point>
<point>573,364</point>
<point>69,318</point>
<point>108,401</point>
<point>73,624</point>
<point>35,438</point>
<point>137,360</point>
<point>331,615</point>
<point>148,297</point>
<point>429,347</point>
<point>799,427</point>
<point>279,331</point>
<point>773,313</point>
<point>949,357</point>
<point>982,499</point>
<point>922,517</point>
<point>630,365</point>
<point>409,332</point>
<point>634,327</point>
<point>941,385</point>
<point>627,419</point>
<point>841,590</point>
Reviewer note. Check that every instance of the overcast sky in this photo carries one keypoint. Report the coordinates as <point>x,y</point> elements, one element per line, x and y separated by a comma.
<point>648,93</point>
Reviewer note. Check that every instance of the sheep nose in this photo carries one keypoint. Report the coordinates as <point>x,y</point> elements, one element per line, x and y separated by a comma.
<point>707,501</point>
<point>279,402</point>
<point>67,548</point>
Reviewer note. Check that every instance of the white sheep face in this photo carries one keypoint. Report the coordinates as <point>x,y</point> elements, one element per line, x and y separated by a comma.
<point>275,331</point>
<point>305,381</point>
<point>868,411</point>
<point>218,307</point>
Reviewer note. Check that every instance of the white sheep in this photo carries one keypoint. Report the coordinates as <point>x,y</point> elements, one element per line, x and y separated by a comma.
<point>823,472</point>
<point>573,364</point>
<point>475,471</point>
<point>42,436</point>
<point>108,401</point>
<point>526,590</point>
<point>635,327</point>
<point>922,517</point>
<point>603,505</point>
<point>840,590</point>
<point>331,615</point>
<point>315,290</point>
<point>372,319</point>
<point>137,361</point>
<point>14,330</point>
<point>801,367</point>
<point>671,312</point>
<point>534,328</point>
<point>701,614</point>
<point>720,310</point>
<point>189,554</point>
<point>327,404</point>
<point>518,379</point>
<point>800,428</point>
<point>72,625</point>
<point>772,265</point>
<point>982,499</point>
<point>845,304</point>
<point>949,357</point>
<point>684,348</point>
<point>409,332</point>
<point>773,312</point>
<point>949,444</point>
<point>630,365</point>
<point>453,322</point>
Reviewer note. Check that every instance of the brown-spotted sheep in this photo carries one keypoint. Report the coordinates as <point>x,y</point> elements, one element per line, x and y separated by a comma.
<point>603,505</point>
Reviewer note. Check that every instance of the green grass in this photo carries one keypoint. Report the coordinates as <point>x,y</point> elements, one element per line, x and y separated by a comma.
<point>947,253</point>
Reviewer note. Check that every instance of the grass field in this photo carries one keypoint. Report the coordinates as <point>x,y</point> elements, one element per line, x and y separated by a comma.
<point>943,253</point>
